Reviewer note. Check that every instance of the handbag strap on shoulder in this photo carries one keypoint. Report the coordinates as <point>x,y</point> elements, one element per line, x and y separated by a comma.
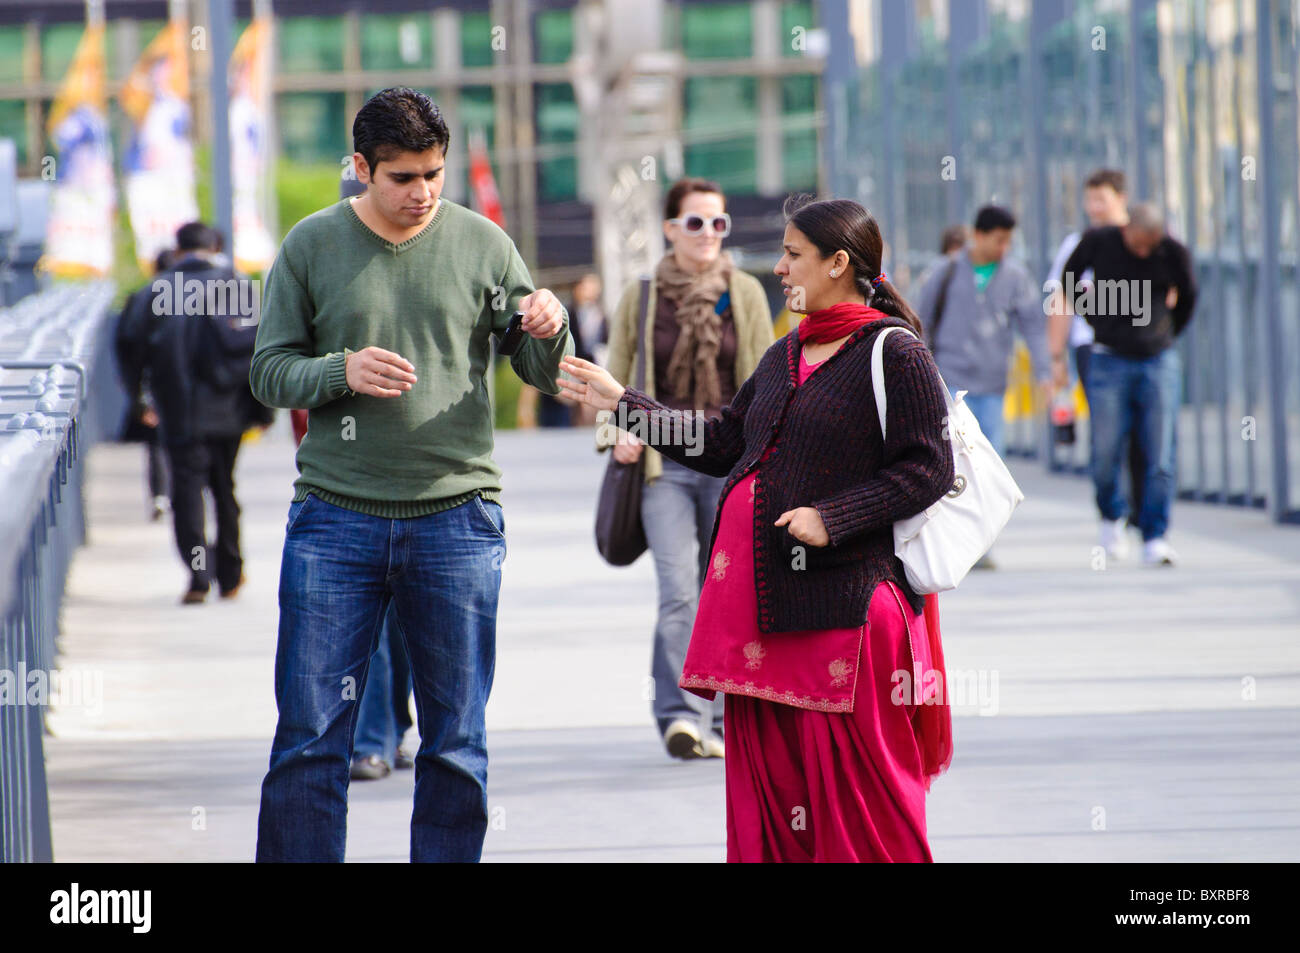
<point>878,376</point>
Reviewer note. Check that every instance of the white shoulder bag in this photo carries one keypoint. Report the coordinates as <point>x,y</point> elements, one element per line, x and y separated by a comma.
<point>939,545</point>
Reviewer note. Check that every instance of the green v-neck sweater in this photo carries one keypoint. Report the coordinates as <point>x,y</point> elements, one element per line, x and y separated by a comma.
<point>337,287</point>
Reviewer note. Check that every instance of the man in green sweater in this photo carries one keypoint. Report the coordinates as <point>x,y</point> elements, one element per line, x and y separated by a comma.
<point>376,317</point>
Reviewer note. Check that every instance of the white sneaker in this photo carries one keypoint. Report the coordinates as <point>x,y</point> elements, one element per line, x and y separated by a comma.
<point>1156,552</point>
<point>682,739</point>
<point>1113,538</point>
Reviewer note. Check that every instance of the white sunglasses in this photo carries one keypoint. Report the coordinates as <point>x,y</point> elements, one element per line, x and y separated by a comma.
<point>720,225</point>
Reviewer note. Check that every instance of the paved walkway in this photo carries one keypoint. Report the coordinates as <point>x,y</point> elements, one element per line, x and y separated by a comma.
<point>1117,714</point>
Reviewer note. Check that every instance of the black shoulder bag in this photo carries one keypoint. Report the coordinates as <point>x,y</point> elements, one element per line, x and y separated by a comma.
<point>620,537</point>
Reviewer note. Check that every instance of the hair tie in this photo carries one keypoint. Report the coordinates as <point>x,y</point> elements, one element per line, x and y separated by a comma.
<point>876,281</point>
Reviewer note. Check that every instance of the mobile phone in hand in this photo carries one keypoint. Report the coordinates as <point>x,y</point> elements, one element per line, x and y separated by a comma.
<point>513,336</point>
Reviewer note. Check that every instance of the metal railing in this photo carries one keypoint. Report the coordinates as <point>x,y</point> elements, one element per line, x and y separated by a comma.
<point>1199,103</point>
<point>59,394</point>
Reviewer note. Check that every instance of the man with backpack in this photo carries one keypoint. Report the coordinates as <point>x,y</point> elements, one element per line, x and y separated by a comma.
<point>971,308</point>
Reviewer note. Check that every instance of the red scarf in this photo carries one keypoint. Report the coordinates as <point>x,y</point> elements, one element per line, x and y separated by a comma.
<point>835,322</point>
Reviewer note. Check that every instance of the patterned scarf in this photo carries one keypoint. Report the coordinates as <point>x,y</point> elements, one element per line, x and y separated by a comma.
<point>695,295</point>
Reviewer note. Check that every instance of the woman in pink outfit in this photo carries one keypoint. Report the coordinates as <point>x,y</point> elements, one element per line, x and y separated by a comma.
<point>832,667</point>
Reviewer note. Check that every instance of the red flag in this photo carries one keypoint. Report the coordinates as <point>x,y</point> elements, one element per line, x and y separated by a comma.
<point>481,181</point>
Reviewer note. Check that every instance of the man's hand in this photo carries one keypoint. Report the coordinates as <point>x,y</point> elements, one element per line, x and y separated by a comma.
<point>805,525</point>
<point>543,314</point>
<point>1060,372</point>
<point>378,373</point>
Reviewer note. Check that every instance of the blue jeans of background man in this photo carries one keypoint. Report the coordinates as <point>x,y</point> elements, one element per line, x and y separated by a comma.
<point>987,409</point>
<point>340,573</point>
<point>380,725</point>
<point>1137,464</point>
<point>677,511</point>
<point>1129,395</point>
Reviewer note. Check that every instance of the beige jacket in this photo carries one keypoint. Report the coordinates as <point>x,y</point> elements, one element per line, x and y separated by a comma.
<point>754,335</point>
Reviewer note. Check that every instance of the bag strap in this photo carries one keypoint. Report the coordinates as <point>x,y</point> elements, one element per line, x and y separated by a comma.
<point>642,307</point>
<point>878,377</point>
<point>940,302</point>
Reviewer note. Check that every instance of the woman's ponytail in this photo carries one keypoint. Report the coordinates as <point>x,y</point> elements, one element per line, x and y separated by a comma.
<point>885,297</point>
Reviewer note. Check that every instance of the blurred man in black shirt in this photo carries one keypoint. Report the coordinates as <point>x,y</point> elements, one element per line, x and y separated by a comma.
<point>1139,301</point>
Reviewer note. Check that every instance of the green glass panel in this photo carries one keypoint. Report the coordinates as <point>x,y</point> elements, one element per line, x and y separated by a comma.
<point>310,44</point>
<point>799,15</point>
<point>13,125</point>
<point>558,120</point>
<point>557,179</point>
<point>402,41</point>
<point>478,109</point>
<point>58,44</point>
<point>554,32</point>
<point>799,94</point>
<point>312,127</point>
<point>731,163</point>
<point>11,54</point>
<point>557,112</point>
<point>719,100</point>
<point>799,159</point>
<point>717,31</point>
<point>476,39</point>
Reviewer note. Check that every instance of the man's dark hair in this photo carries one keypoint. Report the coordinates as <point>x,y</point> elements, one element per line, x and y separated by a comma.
<point>163,260</point>
<point>1106,177</point>
<point>684,187</point>
<point>196,236</point>
<point>992,217</point>
<point>398,119</point>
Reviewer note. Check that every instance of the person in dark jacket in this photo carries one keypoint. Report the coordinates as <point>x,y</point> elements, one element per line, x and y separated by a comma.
<point>141,423</point>
<point>200,345</point>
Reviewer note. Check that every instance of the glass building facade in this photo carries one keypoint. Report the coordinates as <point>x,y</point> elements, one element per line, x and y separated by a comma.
<point>330,55</point>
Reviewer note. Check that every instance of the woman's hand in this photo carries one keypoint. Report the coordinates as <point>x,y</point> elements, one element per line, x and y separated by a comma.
<point>594,385</point>
<point>805,525</point>
<point>628,449</point>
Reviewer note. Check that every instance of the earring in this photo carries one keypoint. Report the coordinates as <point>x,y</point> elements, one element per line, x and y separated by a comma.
<point>835,274</point>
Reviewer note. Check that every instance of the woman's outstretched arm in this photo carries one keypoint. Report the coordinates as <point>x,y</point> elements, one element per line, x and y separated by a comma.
<point>708,445</point>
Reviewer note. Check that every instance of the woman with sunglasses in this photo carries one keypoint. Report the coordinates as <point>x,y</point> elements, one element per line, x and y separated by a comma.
<point>707,323</point>
<point>831,664</point>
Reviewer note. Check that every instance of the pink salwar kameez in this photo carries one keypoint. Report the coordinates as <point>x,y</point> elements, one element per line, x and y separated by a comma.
<point>826,730</point>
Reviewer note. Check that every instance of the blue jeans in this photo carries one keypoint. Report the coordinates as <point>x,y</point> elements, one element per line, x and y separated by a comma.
<point>1137,464</point>
<point>341,572</point>
<point>987,409</point>
<point>380,724</point>
<point>677,511</point>
<point>1138,396</point>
